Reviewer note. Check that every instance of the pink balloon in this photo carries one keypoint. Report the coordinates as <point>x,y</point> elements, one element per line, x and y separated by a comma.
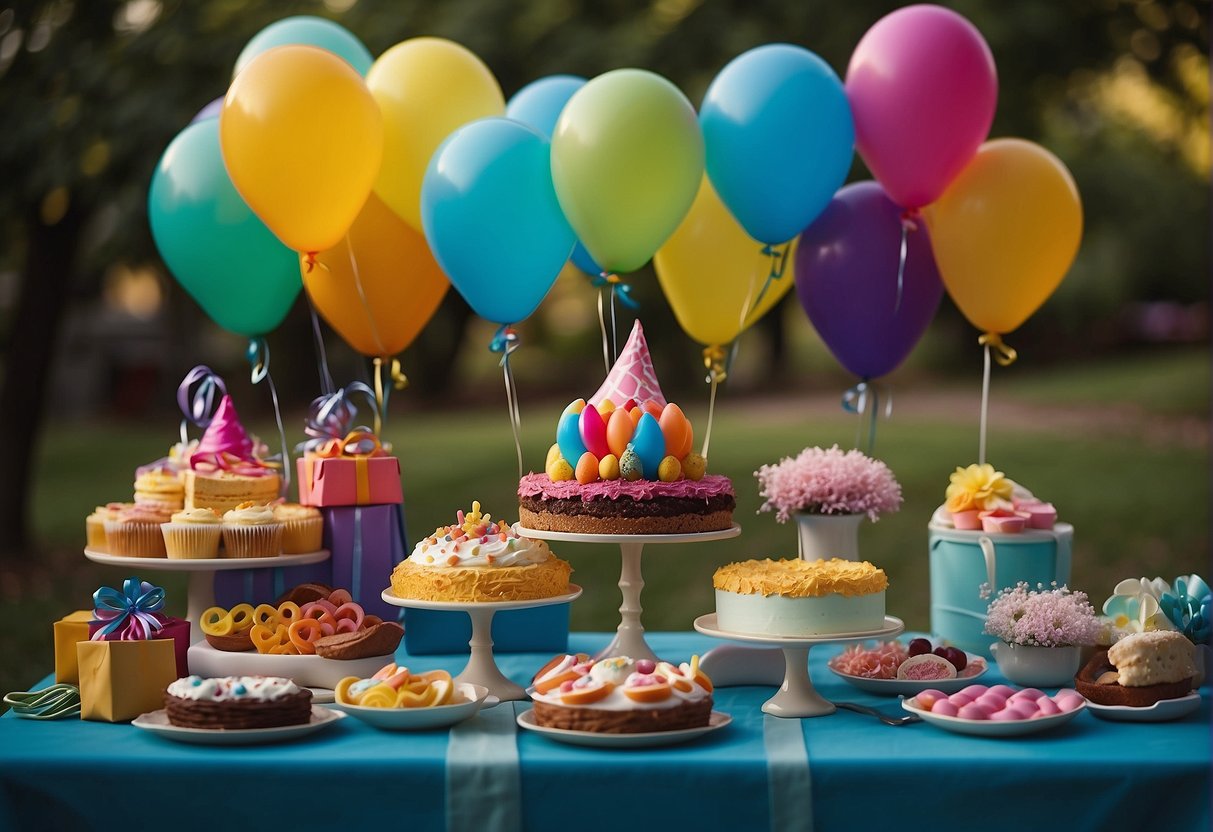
<point>922,87</point>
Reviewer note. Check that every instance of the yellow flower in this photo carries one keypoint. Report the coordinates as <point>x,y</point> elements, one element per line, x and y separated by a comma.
<point>978,487</point>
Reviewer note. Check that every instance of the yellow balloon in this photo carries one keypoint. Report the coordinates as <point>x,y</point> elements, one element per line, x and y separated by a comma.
<point>426,88</point>
<point>712,271</point>
<point>402,284</point>
<point>302,139</point>
<point>1005,232</point>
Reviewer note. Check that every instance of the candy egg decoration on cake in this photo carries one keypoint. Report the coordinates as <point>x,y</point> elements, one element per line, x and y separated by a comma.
<point>623,462</point>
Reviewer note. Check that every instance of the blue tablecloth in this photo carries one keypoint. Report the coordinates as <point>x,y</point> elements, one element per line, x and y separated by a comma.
<point>754,774</point>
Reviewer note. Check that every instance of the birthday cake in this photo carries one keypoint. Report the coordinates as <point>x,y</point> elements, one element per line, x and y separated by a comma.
<point>479,559</point>
<point>237,702</point>
<point>799,597</point>
<point>622,463</point>
<point>225,469</point>
<point>620,695</point>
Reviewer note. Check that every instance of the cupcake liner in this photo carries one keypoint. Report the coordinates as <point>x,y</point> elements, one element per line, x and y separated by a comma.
<point>130,539</point>
<point>191,541</point>
<point>300,536</point>
<point>94,528</point>
<point>260,541</point>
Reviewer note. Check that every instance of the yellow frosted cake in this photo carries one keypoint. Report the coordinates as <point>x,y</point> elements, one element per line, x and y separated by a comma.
<point>800,598</point>
<point>477,559</point>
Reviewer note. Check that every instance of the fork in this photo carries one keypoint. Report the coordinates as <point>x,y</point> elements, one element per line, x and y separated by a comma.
<point>883,717</point>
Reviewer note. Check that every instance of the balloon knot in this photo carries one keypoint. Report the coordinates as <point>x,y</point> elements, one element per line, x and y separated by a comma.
<point>309,259</point>
<point>910,219</point>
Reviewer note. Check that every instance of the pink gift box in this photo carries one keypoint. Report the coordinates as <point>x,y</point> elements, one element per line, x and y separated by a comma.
<point>349,480</point>
<point>177,629</point>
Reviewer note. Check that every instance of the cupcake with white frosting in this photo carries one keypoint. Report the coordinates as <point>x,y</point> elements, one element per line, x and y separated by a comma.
<point>252,531</point>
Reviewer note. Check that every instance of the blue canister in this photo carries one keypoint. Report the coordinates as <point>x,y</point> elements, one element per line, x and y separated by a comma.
<point>961,561</point>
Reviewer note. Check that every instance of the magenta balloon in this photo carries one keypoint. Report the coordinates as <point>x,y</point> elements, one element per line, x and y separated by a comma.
<point>846,279</point>
<point>923,88</point>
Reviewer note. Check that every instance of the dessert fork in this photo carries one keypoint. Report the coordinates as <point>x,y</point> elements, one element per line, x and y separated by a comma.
<point>883,717</point>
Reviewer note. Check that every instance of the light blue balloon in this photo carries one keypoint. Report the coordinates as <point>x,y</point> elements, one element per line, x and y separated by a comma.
<point>239,272</point>
<point>779,138</point>
<point>538,105</point>
<point>490,214</point>
<point>649,444</point>
<point>307,30</point>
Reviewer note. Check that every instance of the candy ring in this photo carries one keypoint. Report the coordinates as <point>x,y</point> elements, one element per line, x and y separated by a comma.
<point>313,609</point>
<point>216,621</point>
<point>242,617</point>
<point>342,692</point>
<point>265,615</point>
<point>265,638</point>
<point>303,633</point>
<point>287,649</point>
<point>350,610</point>
<point>379,696</point>
<point>340,597</point>
<point>288,611</point>
<point>346,625</point>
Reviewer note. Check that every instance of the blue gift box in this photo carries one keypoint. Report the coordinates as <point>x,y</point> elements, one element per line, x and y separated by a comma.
<point>537,630</point>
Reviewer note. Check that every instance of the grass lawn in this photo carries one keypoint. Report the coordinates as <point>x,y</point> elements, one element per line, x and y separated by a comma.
<point>1139,507</point>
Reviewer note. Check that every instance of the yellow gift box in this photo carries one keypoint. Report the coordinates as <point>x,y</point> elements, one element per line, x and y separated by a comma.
<point>68,630</point>
<point>121,679</point>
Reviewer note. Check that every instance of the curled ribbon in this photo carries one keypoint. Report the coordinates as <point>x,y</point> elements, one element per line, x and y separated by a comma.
<point>358,442</point>
<point>618,288</point>
<point>56,702</point>
<point>331,417</point>
<point>505,341</point>
<point>258,355</point>
<point>1003,354</point>
<point>199,395</point>
<point>909,222</point>
<point>133,614</point>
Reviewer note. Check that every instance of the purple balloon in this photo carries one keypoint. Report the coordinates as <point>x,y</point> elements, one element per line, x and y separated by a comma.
<point>846,278</point>
<point>211,110</point>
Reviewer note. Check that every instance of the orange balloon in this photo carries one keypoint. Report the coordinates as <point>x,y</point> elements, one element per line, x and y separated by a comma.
<point>402,283</point>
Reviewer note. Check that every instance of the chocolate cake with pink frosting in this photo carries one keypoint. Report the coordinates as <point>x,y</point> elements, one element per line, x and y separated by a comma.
<point>623,463</point>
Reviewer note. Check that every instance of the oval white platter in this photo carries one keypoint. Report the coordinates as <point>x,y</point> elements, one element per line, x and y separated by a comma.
<point>594,739</point>
<point>423,719</point>
<point>157,723</point>
<point>992,728</point>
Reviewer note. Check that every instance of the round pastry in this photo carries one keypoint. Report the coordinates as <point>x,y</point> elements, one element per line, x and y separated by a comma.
<point>620,695</point>
<point>161,488</point>
<point>237,702</point>
<point>1139,670</point>
<point>250,531</point>
<point>478,559</point>
<point>94,524</point>
<point>193,534</point>
<point>799,597</point>
<point>302,528</point>
<point>135,532</point>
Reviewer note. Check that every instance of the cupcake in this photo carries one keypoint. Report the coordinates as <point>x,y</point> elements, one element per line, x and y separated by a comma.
<point>135,532</point>
<point>193,534</point>
<point>251,531</point>
<point>303,528</point>
<point>94,524</point>
<point>158,487</point>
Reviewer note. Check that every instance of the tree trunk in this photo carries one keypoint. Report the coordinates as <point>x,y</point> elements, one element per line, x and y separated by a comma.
<point>41,303</point>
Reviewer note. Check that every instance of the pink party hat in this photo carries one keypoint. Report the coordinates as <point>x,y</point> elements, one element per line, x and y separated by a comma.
<point>633,376</point>
<point>224,435</point>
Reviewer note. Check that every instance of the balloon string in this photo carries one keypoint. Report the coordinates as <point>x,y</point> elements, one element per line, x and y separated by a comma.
<point>259,359</point>
<point>326,378</point>
<point>606,348</point>
<point>614,329</point>
<point>985,407</point>
<point>505,341</point>
<point>380,396</point>
<point>349,247</point>
<point>716,362</point>
<point>779,264</point>
<point>856,400</point>
<point>909,222</point>
<point>707,434</point>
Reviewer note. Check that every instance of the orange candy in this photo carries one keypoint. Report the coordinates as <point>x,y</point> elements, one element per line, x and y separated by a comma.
<point>556,681</point>
<point>677,431</point>
<point>620,428</point>
<point>648,693</point>
<point>587,468</point>
<point>588,694</point>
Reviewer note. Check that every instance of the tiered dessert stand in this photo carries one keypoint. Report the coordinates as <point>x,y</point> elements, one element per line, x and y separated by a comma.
<point>482,668</point>
<point>629,635</point>
<point>201,588</point>
<point>796,696</point>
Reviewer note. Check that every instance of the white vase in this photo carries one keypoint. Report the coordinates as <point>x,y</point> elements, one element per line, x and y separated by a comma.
<point>1037,667</point>
<point>829,535</point>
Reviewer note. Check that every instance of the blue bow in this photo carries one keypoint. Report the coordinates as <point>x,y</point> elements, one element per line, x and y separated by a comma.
<point>1190,608</point>
<point>133,613</point>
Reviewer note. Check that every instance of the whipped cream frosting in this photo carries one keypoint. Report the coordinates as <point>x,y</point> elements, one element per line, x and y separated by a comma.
<point>233,688</point>
<point>249,514</point>
<point>621,674</point>
<point>504,548</point>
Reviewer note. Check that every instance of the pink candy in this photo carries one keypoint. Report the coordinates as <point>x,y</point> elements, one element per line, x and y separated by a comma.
<point>1000,703</point>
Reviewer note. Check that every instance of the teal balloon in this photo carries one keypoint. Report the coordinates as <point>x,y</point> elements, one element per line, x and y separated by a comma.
<point>779,139</point>
<point>538,105</point>
<point>213,243</point>
<point>491,217</point>
<point>568,436</point>
<point>649,444</point>
<point>308,31</point>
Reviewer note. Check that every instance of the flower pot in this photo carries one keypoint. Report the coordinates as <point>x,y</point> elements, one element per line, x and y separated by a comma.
<point>829,535</point>
<point>1037,667</point>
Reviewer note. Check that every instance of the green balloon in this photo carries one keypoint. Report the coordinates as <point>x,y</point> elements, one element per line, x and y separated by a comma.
<point>307,30</point>
<point>213,243</point>
<point>627,159</point>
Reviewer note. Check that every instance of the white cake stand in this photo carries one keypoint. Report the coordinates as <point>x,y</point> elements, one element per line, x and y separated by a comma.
<point>201,589</point>
<point>629,635</point>
<point>796,696</point>
<point>481,668</point>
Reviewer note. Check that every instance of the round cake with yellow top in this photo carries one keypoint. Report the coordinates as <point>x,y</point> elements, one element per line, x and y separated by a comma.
<point>620,695</point>
<point>623,463</point>
<point>800,597</point>
<point>479,559</point>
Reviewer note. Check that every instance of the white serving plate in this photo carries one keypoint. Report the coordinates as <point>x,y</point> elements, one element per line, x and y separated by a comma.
<point>992,728</point>
<point>593,739</point>
<point>164,564</point>
<point>306,671</point>
<point>912,687</point>
<point>157,723</point>
<point>423,719</point>
<point>1161,711</point>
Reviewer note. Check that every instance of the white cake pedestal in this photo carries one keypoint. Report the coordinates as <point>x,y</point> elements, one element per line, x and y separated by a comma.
<point>796,696</point>
<point>629,635</point>
<point>482,668</point>
<point>201,589</point>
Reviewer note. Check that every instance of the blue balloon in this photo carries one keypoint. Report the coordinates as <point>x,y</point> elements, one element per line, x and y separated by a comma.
<point>491,217</point>
<point>779,138</point>
<point>538,105</point>
<point>307,30</point>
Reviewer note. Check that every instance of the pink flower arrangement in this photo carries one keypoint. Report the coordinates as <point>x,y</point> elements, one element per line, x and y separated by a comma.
<point>831,481</point>
<point>1042,617</point>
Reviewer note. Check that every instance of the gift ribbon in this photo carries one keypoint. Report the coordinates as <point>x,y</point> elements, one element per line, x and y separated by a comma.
<point>331,416</point>
<point>789,784</point>
<point>360,444</point>
<point>356,557</point>
<point>505,341</point>
<point>198,397</point>
<point>132,614</point>
<point>56,702</point>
